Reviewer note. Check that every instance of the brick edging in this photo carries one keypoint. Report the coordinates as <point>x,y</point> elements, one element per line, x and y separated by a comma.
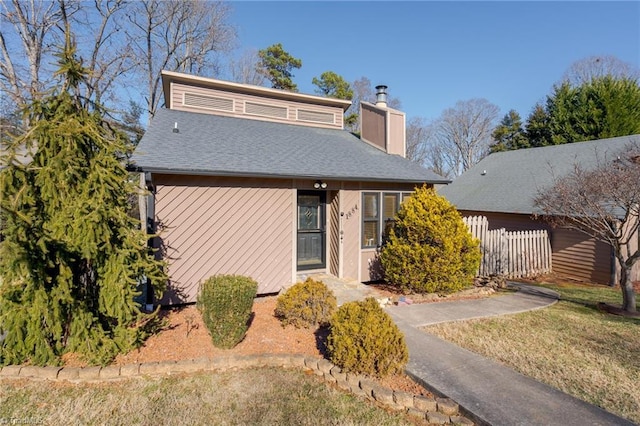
<point>434,410</point>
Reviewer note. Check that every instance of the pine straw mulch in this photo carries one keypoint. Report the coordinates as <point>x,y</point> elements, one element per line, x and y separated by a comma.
<point>184,336</point>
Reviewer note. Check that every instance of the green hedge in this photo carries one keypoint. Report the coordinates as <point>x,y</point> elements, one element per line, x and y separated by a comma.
<point>429,249</point>
<point>225,302</point>
<point>364,339</point>
<point>306,304</point>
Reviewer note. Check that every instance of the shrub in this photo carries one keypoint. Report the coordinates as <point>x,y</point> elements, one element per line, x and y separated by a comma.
<point>364,339</point>
<point>225,302</point>
<point>306,304</point>
<point>429,249</point>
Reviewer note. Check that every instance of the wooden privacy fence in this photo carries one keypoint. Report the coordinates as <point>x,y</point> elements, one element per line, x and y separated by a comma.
<point>513,254</point>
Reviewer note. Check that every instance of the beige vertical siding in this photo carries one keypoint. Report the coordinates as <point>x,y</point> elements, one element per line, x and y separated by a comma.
<point>396,143</point>
<point>350,200</point>
<point>221,225</point>
<point>370,269</point>
<point>231,104</point>
<point>333,236</point>
<point>373,126</point>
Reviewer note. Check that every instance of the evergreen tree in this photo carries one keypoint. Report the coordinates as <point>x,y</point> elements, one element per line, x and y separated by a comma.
<point>429,249</point>
<point>537,127</point>
<point>509,135</point>
<point>600,108</point>
<point>276,64</point>
<point>333,85</point>
<point>131,123</point>
<point>72,260</point>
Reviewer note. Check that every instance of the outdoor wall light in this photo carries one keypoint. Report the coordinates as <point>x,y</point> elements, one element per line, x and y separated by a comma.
<point>320,184</point>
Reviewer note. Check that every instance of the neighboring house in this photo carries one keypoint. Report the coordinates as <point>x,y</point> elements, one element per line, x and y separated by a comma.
<point>267,183</point>
<point>503,185</point>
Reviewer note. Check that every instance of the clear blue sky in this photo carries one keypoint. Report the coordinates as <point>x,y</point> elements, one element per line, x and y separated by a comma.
<point>433,54</point>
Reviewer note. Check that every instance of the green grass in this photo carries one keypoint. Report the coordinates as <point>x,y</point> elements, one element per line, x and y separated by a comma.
<point>261,396</point>
<point>571,346</point>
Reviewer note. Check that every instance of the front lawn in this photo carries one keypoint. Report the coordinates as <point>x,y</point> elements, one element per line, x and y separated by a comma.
<point>261,396</point>
<point>571,345</point>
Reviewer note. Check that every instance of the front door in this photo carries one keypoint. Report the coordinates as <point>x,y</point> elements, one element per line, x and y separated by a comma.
<point>311,230</point>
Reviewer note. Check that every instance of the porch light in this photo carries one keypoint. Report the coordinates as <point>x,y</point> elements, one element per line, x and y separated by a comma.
<point>320,184</point>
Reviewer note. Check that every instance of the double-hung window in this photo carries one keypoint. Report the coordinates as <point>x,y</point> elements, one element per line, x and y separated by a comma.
<point>379,211</point>
<point>370,219</point>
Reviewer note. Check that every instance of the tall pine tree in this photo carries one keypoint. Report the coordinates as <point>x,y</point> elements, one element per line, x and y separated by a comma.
<point>72,259</point>
<point>509,135</point>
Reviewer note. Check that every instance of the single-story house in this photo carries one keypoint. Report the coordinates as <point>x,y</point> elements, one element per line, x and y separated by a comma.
<point>503,186</point>
<point>267,183</point>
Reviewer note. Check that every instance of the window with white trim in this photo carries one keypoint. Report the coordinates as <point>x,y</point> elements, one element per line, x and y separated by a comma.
<point>378,217</point>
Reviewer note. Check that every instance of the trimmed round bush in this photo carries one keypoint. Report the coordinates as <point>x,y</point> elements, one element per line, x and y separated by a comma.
<point>226,302</point>
<point>429,248</point>
<point>364,339</point>
<point>306,304</point>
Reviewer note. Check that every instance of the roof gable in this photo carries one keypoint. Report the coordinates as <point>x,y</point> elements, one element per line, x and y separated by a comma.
<point>509,181</point>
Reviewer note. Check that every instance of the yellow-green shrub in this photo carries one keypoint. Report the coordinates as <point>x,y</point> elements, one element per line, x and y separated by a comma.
<point>429,249</point>
<point>364,339</point>
<point>225,302</point>
<point>306,304</point>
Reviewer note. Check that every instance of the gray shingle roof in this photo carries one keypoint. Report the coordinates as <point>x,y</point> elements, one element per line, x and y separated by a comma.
<point>513,178</point>
<point>227,146</point>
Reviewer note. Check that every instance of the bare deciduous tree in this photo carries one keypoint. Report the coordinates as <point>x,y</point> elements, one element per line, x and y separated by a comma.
<point>27,32</point>
<point>245,69</point>
<point>603,202</point>
<point>178,35</point>
<point>119,41</point>
<point>463,133</point>
<point>585,70</point>
<point>108,56</point>
<point>417,138</point>
<point>442,159</point>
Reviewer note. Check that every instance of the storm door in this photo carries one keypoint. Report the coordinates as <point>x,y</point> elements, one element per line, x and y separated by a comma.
<point>311,230</point>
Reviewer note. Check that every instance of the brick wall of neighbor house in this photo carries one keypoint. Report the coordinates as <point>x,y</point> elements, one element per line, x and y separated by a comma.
<point>236,104</point>
<point>225,225</point>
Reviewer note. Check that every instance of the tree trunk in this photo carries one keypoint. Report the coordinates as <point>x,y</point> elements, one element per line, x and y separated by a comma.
<point>628,295</point>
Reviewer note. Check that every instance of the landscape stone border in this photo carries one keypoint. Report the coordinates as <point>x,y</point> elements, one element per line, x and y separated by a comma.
<point>433,410</point>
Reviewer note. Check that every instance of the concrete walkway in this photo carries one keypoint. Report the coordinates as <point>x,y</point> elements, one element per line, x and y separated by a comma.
<point>488,392</point>
<point>527,298</point>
